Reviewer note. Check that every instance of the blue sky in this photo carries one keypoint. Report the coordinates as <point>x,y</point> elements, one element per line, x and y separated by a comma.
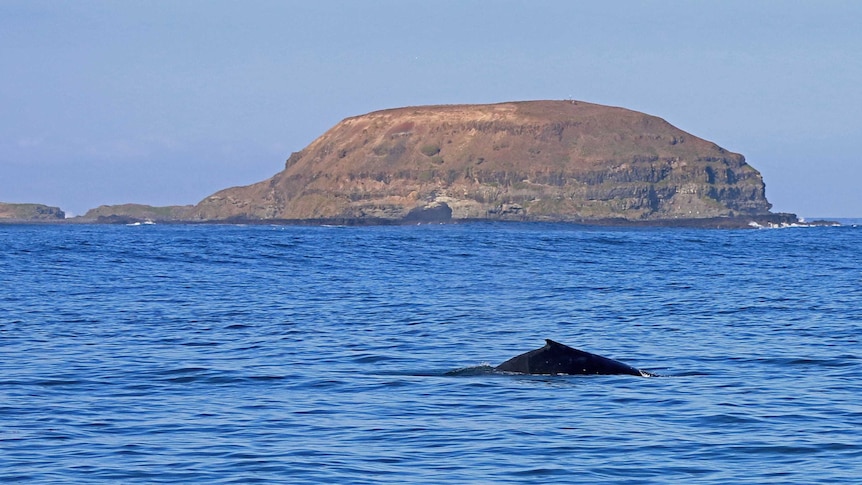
<point>166,102</point>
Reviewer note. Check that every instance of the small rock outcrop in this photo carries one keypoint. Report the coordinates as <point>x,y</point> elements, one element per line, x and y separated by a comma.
<point>525,161</point>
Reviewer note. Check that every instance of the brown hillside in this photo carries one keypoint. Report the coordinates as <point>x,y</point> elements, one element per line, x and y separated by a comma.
<point>537,160</point>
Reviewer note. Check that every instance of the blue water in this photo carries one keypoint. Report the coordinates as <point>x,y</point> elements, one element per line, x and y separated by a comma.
<point>227,354</point>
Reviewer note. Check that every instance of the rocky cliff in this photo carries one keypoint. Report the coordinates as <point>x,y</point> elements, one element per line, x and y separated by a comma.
<point>30,212</point>
<point>536,160</point>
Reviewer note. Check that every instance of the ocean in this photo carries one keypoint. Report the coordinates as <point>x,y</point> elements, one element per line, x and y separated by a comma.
<point>277,354</point>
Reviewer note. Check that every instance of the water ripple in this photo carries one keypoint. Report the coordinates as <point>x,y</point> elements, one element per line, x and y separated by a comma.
<point>220,354</point>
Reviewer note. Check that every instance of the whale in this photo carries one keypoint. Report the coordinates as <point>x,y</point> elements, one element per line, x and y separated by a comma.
<point>558,359</point>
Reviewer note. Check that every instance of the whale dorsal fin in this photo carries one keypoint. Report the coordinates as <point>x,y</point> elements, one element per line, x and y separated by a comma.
<point>552,343</point>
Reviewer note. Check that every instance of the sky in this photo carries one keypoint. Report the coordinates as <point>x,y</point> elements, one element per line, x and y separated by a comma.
<point>165,102</point>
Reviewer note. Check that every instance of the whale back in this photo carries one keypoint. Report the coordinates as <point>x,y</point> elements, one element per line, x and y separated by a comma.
<point>556,358</point>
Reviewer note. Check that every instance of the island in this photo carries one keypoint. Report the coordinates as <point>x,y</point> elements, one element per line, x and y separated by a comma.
<point>561,161</point>
<point>551,161</point>
<point>30,213</point>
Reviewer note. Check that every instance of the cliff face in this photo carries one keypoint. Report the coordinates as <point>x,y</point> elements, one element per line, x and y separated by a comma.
<point>538,160</point>
<point>30,212</point>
